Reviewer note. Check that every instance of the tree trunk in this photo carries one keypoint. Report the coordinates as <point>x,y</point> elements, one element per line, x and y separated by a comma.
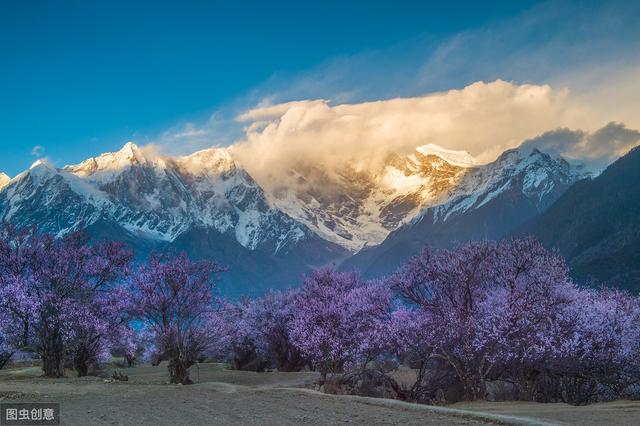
<point>80,363</point>
<point>289,360</point>
<point>130,360</point>
<point>179,372</point>
<point>528,385</point>
<point>53,363</point>
<point>475,388</point>
<point>82,369</point>
<point>5,357</point>
<point>51,344</point>
<point>323,377</point>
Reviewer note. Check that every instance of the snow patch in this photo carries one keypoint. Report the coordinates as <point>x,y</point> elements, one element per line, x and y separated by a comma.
<point>456,158</point>
<point>400,181</point>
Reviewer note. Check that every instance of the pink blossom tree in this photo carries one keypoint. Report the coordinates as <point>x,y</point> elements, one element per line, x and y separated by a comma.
<point>6,350</point>
<point>173,296</point>
<point>272,316</point>
<point>259,333</point>
<point>127,343</point>
<point>100,328</point>
<point>596,350</point>
<point>411,340</point>
<point>339,322</point>
<point>487,304</point>
<point>46,282</point>
<point>18,249</point>
<point>244,348</point>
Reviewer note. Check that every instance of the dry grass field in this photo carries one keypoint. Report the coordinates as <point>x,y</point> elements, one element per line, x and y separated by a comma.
<point>225,397</point>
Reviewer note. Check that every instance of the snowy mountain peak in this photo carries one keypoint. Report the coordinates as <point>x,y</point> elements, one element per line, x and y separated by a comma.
<point>160,198</point>
<point>217,154</point>
<point>534,174</point>
<point>41,169</point>
<point>456,158</point>
<point>4,180</point>
<point>488,202</point>
<point>110,164</point>
<point>42,164</point>
<point>532,159</point>
<point>152,199</point>
<point>212,160</point>
<point>130,151</point>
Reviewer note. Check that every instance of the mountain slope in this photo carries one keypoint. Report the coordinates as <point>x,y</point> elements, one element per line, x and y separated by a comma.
<point>489,202</point>
<point>358,206</point>
<point>162,197</point>
<point>596,225</point>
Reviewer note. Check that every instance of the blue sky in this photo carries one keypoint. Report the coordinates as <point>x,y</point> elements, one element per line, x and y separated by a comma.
<point>79,78</point>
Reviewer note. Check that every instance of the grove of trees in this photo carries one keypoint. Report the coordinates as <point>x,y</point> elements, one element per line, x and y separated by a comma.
<point>461,320</point>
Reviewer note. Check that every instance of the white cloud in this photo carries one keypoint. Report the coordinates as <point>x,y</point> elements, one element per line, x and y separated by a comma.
<point>482,118</point>
<point>551,42</point>
<point>38,151</point>
<point>190,133</point>
<point>581,67</point>
<point>220,129</point>
<point>612,91</point>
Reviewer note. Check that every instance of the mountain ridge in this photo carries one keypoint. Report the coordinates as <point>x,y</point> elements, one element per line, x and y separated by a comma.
<point>207,204</point>
<point>489,203</point>
<point>356,208</point>
<point>153,203</point>
<point>595,225</point>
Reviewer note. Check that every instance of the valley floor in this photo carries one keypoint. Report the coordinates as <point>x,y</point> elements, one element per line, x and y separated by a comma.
<point>224,397</point>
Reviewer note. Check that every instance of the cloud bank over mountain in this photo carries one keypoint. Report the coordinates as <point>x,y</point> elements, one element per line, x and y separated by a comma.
<point>484,89</point>
<point>596,149</point>
<point>484,119</point>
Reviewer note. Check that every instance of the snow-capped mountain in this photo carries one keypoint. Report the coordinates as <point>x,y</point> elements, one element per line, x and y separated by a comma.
<point>488,202</point>
<point>54,201</point>
<point>152,197</point>
<point>154,202</point>
<point>356,208</point>
<point>4,180</point>
<point>595,226</point>
<point>455,158</point>
<point>209,206</point>
<point>534,174</point>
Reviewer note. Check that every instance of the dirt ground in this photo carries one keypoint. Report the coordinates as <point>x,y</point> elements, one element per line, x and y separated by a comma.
<point>600,414</point>
<point>224,397</point>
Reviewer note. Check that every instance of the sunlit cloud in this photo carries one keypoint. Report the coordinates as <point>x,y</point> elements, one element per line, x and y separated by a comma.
<point>483,90</point>
<point>535,47</point>
<point>483,118</point>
